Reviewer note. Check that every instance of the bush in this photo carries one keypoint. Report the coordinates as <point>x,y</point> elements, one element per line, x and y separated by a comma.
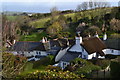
<point>53,68</point>
<point>115,35</point>
<point>51,75</point>
<point>115,69</point>
<point>43,62</point>
<point>85,67</point>
<point>109,56</point>
<point>102,63</point>
<point>12,65</point>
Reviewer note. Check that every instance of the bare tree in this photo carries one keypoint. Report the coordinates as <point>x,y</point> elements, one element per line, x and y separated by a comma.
<point>91,4</point>
<point>84,5</point>
<point>12,65</point>
<point>9,29</point>
<point>79,7</point>
<point>54,11</point>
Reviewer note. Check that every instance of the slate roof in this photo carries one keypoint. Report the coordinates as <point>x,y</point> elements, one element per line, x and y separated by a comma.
<point>113,43</point>
<point>28,46</point>
<point>69,56</point>
<point>62,43</point>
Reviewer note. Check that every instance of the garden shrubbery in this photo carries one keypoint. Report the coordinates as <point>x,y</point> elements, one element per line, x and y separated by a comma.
<point>43,62</point>
<point>53,68</point>
<point>115,68</point>
<point>102,63</point>
<point>51,75</point>
<point>84,67</point>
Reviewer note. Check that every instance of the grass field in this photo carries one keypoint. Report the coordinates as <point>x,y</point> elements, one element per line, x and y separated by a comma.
<point>29,68</point>
<point>39,23</point>
<point>11,18</point>
<point>33,37</point>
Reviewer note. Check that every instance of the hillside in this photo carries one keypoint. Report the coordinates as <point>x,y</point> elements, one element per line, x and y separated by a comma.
<point>95,12</point>
<point>69,22</point>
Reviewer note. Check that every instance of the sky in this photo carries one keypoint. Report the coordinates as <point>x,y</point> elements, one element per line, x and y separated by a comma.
<point>43,6</point>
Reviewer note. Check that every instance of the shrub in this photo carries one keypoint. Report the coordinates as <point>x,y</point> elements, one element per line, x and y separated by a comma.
<point>51,75</point>
<point>43,62</point>
<point>102,63</point>
<point>115,35</point>
<point>115,69</point>
<point>86,70</point>
<point>109,56</point>
<point>53,68</point>
<point>12,65</point>
<point>85,67</point>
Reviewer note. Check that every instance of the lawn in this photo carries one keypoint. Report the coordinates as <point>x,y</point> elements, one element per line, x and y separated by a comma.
<point>29,68</point>
<point>70,15</point>
<point>39,23</point>
<point>33,37</point>
<point>11,18</point>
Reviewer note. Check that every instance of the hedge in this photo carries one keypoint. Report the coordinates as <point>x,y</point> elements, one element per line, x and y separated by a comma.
<point>115,69</point>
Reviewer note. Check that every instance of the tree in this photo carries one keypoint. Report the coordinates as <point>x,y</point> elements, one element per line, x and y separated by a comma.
<point>92,30</point>
<point>23,24</point>
<point>54,12</point>
<point>79,7</point>
<point>91,4</point>
<point>12,65</point>
<point>54,29</point>
<point>9,30</point>
<point>63,21</point>
<point>84,5</point>
<point>115,25</point>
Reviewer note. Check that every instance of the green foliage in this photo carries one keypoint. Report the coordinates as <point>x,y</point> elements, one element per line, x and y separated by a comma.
<point>84,67</point>
<point>33,36</point>
<point>28,66</point>
<point>43,62</point>
<point>86,70</point>
<point>115,71</point>
<point>92,30</point>
<point>11,18</point>
<point>115,35</point>
<point>39,23</point>
<point>102,63</point>
<point>54,29</point>
<point>51,75</point>
<point>53,68</point>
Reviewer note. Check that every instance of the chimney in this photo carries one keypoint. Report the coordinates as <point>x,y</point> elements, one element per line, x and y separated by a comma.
<point>43,40</point>
<point>96,34</point>
<point>89,35</point>
<point>49,45</point>
<point>78,39</point>
<point>105,36</point>
<point>14,41</point>
<point>68,42</point>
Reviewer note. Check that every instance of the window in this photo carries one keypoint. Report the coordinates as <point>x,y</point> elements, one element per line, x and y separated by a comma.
<point>82,49</point>
<point>36,52</point>
<point>84,56</point>
<point>112,51</point>
<point>39,53</point>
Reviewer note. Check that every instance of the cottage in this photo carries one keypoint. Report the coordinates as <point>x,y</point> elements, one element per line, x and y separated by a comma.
<point>86,48</point>
<point>31,49</point>
<point>113,46</point>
